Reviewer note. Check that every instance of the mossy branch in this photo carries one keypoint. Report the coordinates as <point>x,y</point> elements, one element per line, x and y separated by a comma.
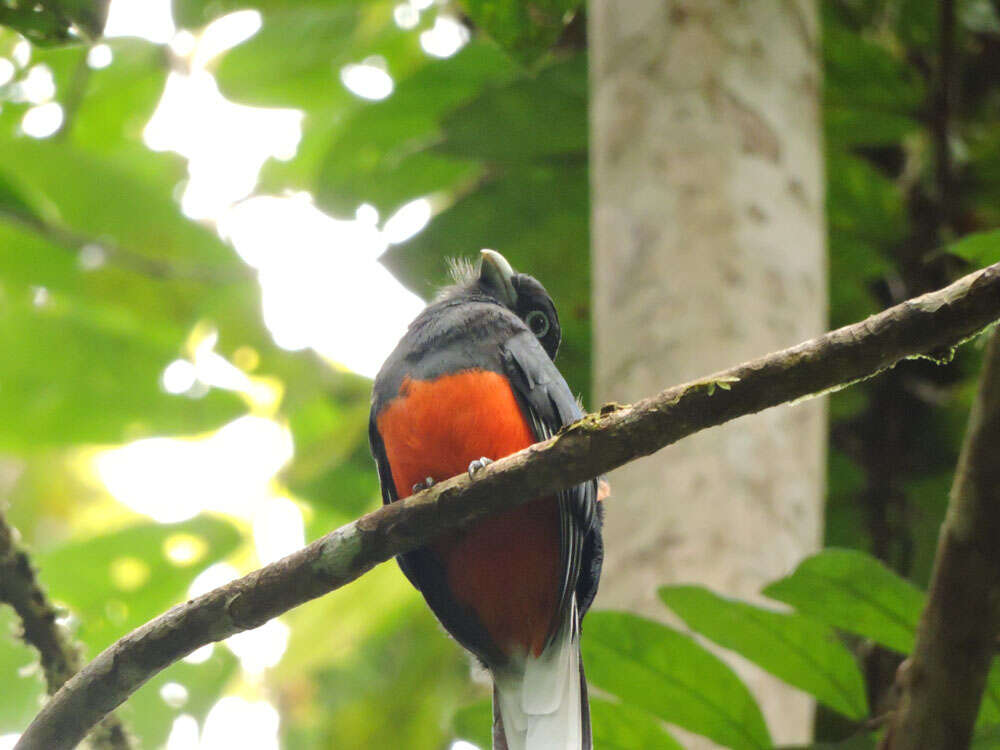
<point>924,326</point>
<point>60,655</point>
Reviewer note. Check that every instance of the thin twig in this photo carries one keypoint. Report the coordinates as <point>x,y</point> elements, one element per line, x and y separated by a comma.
<point>131,260</point>
<point>60,655</point>
<point>929,325</point>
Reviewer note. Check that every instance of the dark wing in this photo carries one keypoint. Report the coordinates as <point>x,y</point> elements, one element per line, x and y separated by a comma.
<point>427,574</point>
<point>549,405</point>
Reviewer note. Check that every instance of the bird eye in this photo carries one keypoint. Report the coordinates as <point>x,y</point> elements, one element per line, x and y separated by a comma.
<point>537,322</point>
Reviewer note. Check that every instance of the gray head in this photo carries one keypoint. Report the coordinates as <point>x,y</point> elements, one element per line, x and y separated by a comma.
<point>494,279</point>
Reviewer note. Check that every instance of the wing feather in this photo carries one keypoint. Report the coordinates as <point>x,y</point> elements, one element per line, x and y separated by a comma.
<point>550,406</point>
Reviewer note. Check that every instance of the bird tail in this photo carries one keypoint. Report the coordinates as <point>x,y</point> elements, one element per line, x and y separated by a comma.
<point>541,703</point>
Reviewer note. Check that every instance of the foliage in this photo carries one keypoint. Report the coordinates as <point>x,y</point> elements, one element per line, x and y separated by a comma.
<point>658,672</point>
<point>104,282</point>
<point>525,30</point>
<point>666,673</point>
<point>795,648</point>
<point>980,248</point>
<point>57,21</point>
<point>911,186</point>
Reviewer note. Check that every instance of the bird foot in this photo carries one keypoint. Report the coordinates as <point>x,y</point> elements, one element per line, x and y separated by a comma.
<point>424,485</point>
<point>478,464</point>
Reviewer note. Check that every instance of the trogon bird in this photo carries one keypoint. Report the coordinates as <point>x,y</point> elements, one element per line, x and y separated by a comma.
<point>473,380</point>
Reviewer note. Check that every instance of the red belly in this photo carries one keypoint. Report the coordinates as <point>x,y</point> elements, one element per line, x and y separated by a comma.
<point>505,568</point>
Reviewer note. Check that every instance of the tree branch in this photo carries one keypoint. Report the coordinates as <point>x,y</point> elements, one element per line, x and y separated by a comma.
<point>60,655</point>
<point>131,260</point>
<point>929,325</point>
<point>942,682</point>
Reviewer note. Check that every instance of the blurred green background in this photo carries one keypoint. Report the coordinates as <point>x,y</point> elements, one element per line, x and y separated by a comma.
<point>185,344</point>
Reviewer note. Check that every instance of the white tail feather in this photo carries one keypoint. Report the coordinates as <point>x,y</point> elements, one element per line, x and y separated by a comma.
<point>539,698</point>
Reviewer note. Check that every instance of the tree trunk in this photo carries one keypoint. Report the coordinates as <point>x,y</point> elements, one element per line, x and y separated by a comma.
<point>709,248</point>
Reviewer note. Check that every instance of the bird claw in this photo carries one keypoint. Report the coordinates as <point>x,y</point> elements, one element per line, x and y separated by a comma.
<point>424,485</point>
<point>478,464</point>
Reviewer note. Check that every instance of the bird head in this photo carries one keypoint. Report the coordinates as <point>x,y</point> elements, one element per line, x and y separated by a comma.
<point>521,294</point>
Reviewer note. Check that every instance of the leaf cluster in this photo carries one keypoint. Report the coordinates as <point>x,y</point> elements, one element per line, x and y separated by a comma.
<point>657,675</point>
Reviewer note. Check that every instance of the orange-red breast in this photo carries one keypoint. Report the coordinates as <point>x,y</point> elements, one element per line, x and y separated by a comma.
<point>471,381</point>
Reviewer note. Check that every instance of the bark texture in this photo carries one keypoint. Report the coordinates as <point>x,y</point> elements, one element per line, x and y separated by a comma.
<point>941,684</point>
<point>593,446</point>
<point>709,245</point>
<point>60,655</point>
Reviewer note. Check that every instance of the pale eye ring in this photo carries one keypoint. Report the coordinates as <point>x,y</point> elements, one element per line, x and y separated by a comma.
<point>538,322</point>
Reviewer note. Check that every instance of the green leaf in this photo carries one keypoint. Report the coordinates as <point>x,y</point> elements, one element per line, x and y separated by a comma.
<point>89,15</point>
<point>52,22</point>
<point>130,580</point>
<point>855,266</point>
<point>106,109</point>
<point>794,648</point>
<point>378,672</point>
<point>983,145</point>
<point>616,726</point>
<point>15,202</point>
<point>333,465</point>
<point>862,72</point>
<point>108,199</point>
<point>93,356</point>
<point>989,710</point>
<point>118,101</point>
<point>379,154</point>
<point>505,124</point>
<point>83,375</point>
<point>652,667</point>
<point>986,738</point>
<point>845,522</point>
<point>296,58</point>
<point>474,723</point>
<point>916,25</point>
<point>39,26</point>
<point>391,182</point>
<point>525,30</point>
<point>192,14</point>
<point>927,497</point>
<point>292,58</point>
<point>846,127</point>
<point>979,248</point>
<point>855,592</point>
<point>861,201</point>
<point>132,302</point>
